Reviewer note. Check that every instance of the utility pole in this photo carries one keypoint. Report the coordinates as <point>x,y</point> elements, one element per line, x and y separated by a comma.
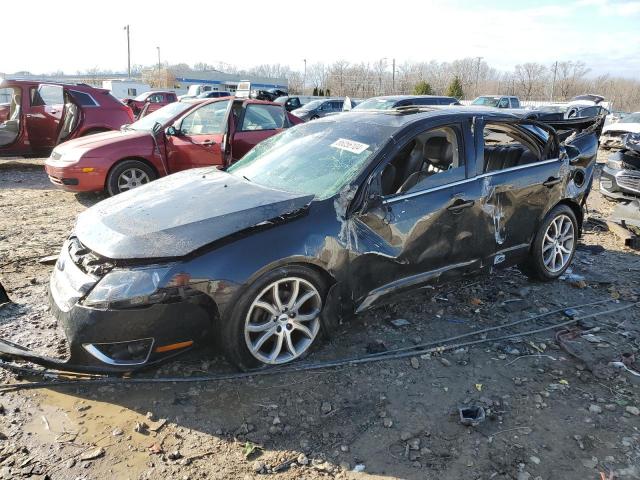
<point>477,74</point>
<point>553,84</point>
<point>304,78</point>
<point>159,64</point>
<point>393,78</point>
<point>128,52</point>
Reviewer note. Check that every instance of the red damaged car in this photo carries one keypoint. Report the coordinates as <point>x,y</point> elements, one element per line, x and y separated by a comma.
<point>187,134</point>
<point>149,102</point>
<point>35,117</point>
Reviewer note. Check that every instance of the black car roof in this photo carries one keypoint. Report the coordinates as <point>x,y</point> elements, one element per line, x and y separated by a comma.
<point>400,117</point>
<point>408,97</point>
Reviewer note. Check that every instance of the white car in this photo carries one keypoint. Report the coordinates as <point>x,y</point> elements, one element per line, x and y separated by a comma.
<point>612,134</point>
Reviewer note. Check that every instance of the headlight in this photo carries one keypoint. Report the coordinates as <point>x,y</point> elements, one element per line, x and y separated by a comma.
<point>129,288</point>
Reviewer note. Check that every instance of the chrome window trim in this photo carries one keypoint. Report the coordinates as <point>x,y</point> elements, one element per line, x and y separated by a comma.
<point>461,182</point>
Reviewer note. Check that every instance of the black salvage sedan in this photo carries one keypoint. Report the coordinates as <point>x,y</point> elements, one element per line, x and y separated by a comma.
<point>322,221</point>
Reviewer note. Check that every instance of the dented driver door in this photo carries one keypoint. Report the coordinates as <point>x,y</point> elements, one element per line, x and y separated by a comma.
<point>432,232</point>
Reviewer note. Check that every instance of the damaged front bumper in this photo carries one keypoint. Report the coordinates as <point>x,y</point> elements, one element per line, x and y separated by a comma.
<point>111,339</point>
<point>620,183</point>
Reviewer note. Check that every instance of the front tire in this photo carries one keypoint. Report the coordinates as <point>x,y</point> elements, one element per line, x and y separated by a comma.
<point>277,320</point>
<point>128,175</point>
<point>554,245</point>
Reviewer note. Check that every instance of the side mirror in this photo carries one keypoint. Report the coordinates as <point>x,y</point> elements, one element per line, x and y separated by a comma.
<point>171,131</point>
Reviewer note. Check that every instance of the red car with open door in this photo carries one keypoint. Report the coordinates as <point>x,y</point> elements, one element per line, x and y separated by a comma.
<point>187,134</point>
<point>35,117</point>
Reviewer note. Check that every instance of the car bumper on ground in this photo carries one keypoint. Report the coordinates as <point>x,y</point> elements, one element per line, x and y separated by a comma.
<point>112,340</point>
<point>75,177</point>
<point>620,184</point>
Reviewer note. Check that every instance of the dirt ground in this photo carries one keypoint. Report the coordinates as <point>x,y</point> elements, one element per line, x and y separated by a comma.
<point>551,412</point>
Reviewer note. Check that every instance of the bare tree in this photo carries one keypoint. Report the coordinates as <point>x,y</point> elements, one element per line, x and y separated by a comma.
<point>530,79</point>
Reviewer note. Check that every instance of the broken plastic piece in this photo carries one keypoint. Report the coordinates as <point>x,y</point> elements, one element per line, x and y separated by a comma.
<point>400,322</point>
<point>4,298</point>
<point>571,312</point>
<point>472,416</point>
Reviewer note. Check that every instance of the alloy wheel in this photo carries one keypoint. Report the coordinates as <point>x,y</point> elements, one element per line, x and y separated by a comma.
<point>558,243</point>
<point>283,320</point>
<point>132,178</point>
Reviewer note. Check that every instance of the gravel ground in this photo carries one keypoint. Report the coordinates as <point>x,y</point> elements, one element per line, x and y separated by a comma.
<point>551,412</point>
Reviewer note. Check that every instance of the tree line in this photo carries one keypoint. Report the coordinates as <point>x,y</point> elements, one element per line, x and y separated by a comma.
<point>464,78</point>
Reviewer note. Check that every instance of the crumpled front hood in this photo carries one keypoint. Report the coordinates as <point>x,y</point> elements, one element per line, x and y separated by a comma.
<point>178,214</point>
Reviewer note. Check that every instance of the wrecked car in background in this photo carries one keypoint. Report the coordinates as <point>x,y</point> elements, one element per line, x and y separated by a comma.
<point>620,178</point>
<point>149,102</point>
<point>613,134</point>
<point>186,134</point>
<point>497,101</point>
<point>39,116</point>
<point>324,220</point>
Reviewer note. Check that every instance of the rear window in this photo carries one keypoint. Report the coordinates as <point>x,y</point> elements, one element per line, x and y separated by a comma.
<point>47,95</point>
<point>83,99</point>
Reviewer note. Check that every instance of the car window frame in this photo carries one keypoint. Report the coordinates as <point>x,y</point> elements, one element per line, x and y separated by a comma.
<point>35,90</point>
<point>244,114</point>
<point>225,123</point>
<point>464,153</point>
<point>478,132</point>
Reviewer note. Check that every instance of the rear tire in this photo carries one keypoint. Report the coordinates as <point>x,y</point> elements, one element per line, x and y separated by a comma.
<point>129,174</point>
<point>289,327</point>
<point>554,245</point>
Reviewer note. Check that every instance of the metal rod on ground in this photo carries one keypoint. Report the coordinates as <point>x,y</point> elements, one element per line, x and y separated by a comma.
<point>307,367</point>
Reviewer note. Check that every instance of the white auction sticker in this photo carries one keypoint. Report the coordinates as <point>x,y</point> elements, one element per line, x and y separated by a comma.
<point>350,145</point>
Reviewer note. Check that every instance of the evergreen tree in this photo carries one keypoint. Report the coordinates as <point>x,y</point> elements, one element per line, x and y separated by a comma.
<point>455,89</point>
<point>423,88</point>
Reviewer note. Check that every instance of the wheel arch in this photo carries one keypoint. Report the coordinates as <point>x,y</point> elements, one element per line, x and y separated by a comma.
<point>576,208</point>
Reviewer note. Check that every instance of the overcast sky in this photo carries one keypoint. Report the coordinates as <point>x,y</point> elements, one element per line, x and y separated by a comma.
<point>72,35</point>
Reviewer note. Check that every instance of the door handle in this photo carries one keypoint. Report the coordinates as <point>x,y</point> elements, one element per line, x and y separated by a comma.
<point>208,142</point>
<point>551,182</point>
<point>460,205</point>
<point>54,111</point>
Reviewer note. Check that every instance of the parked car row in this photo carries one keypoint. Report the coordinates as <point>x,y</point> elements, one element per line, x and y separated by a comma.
<point>313,225</point>
<point>187,134</point>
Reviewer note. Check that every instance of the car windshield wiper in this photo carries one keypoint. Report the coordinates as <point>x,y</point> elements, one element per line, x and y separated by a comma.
<point>246,178</point>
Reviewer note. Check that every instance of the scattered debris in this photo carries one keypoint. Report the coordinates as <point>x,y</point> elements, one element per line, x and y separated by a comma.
<point>400,322</point>
<point>92,454</point>
<point>472,416</point>
<point>250,448</point>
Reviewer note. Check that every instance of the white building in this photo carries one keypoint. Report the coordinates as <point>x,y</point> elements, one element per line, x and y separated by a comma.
<point>125,88</point>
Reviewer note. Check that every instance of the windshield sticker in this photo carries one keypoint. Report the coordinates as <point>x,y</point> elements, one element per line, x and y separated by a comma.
<point>350,145</point>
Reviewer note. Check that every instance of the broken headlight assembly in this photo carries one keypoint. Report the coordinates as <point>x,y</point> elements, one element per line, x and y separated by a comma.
<point>136,288</point>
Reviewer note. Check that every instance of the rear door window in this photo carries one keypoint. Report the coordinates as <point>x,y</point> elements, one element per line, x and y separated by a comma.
<point>263,117</point>
<point>515,103</point>
<point>47,95</point>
